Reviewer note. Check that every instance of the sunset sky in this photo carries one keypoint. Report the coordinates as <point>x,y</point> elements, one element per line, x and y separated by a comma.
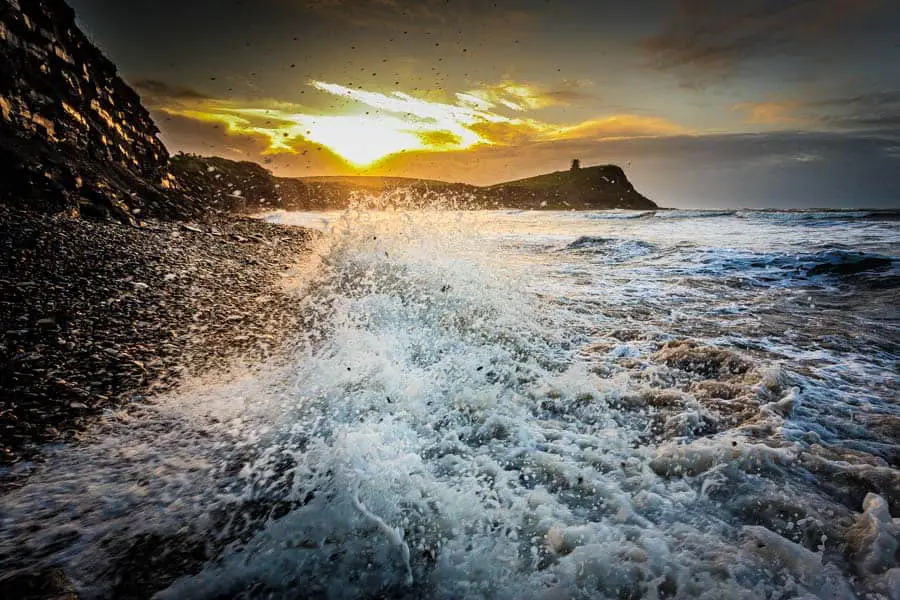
<point>704,103</point>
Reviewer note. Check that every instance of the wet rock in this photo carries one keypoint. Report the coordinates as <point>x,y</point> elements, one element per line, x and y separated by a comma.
<point>850,265</point>
<point>152,562</point>
<point>50,584</point>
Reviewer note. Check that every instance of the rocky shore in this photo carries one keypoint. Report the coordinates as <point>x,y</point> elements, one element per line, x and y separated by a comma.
<point>99,314</point>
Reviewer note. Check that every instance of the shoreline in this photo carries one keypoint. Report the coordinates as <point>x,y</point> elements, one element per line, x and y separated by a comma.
<point>98,314</point>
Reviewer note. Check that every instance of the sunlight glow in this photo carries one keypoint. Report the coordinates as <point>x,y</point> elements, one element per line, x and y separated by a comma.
<point>385,124</point>
<point>362,140</point>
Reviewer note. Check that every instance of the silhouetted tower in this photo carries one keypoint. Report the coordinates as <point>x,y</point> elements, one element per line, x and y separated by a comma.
<point>576,165</point>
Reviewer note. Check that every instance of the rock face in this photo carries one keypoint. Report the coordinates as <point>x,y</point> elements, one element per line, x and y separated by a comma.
<point>73,135</point>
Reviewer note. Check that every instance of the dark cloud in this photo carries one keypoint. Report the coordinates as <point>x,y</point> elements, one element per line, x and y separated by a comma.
<point>878,112</point>
<point>706,39</point>
<point>412,14</point>
<point>568,96</point>
<point>870,101</point>
<point>155,92</point>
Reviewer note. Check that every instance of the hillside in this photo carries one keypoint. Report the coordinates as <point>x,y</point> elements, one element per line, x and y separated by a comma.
<point>248,187</point>
<point>589,188</point>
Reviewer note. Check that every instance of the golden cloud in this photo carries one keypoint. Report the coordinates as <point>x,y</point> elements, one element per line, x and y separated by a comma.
<point>386,124</point>
<point>523,96</point>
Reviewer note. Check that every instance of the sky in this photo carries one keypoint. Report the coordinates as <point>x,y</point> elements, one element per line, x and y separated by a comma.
<point>705,103</point>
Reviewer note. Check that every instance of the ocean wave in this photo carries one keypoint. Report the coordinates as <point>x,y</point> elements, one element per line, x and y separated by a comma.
<point>612,249</point>
<point>783,266</point>
<point>821,217</point>
<point>842,262</point>
<point>694,214</point>
<point>464,419</point>
<point>616,215</point>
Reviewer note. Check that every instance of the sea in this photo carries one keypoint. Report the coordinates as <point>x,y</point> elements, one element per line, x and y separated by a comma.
<point>518,405</point>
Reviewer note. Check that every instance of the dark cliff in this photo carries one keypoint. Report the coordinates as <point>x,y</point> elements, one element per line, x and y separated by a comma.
<point>590,188</point>
<point>73,135</point>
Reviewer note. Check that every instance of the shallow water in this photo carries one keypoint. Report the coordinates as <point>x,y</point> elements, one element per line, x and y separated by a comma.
<point>678,404</point>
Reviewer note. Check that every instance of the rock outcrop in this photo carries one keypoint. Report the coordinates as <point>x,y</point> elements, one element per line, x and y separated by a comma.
<point>591,188</point>
<point>73,135</point>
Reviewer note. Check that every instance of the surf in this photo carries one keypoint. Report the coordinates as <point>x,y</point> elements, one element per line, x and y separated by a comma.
<point>486,406</point>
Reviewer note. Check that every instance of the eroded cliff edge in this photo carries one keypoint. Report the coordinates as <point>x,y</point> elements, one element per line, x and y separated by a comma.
<point>73,135</point>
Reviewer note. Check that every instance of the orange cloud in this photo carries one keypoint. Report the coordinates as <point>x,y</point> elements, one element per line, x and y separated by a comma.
<point>621,126</point>
<point>772,113</point>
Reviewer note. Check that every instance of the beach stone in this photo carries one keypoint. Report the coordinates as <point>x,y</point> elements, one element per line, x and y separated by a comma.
<point>50,584</point>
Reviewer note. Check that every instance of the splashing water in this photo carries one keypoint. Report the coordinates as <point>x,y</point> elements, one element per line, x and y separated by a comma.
<point>518,405</point>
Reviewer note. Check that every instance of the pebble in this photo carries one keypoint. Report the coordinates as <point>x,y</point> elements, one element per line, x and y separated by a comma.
<point>94,345</point>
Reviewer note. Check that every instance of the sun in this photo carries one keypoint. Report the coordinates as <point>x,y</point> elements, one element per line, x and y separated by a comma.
<point>361,140</point>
